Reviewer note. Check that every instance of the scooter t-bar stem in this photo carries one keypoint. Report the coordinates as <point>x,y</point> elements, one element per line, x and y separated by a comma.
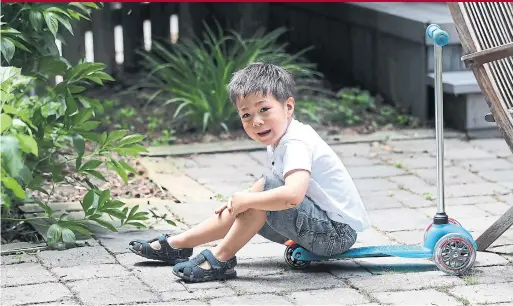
<point>440,38</point>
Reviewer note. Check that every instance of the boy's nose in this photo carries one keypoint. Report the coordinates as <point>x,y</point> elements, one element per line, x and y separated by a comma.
<point>257,122</point>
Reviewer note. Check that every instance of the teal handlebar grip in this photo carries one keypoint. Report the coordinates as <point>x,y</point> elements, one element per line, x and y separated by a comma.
<point>440,37</point>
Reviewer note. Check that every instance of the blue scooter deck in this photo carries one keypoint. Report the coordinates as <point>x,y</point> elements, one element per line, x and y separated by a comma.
<point>406,251</point>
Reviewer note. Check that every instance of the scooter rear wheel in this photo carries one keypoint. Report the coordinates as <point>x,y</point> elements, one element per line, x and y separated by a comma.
<point>292,262</point>
<point>454,254</point>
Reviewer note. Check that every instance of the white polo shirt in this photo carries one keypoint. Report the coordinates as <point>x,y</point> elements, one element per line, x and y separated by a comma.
<point>331,187</point>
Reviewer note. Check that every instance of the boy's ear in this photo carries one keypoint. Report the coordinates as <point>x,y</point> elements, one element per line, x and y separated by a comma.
<point>290,103</point>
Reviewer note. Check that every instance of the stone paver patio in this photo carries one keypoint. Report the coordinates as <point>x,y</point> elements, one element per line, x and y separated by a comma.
<point>397,182</point>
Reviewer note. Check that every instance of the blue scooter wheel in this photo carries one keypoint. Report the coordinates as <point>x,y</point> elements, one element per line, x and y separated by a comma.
<point>292,262</point>
<point>454,254</point>
<point>451,220</point>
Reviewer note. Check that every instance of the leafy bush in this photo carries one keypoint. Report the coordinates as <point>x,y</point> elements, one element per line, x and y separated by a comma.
<point>194,74</point>
<point>37,131</point>
<point>351,106</point>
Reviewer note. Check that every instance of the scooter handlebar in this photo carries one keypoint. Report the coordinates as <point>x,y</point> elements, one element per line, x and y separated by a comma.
<point>439,36</point>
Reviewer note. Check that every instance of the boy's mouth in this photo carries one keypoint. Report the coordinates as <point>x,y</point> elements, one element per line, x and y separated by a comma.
<point>264,133</point>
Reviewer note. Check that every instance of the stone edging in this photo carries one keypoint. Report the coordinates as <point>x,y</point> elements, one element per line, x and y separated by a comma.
<point>250,145</point>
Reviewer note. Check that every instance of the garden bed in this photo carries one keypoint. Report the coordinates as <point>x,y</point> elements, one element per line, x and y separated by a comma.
<point>131,110</point>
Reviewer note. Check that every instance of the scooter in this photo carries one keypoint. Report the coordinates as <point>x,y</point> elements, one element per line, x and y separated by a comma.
<point>446,242</point>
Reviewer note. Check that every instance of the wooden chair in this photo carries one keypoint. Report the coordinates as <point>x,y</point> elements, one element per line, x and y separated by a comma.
<point>486,34</point>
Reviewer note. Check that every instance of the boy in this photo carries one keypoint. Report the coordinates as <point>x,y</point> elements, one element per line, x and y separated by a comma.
<point>308,197</point>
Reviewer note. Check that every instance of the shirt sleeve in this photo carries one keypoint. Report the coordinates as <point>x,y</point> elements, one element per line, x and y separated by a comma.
<point>297,156</point>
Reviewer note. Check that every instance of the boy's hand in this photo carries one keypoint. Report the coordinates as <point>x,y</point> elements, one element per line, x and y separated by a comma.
<point>221,209</point>
<point>238,202</point>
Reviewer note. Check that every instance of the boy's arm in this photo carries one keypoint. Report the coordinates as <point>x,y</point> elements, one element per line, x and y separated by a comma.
<point>281,198</point>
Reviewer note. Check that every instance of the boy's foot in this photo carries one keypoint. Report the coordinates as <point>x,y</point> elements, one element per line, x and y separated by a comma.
<point>160,249</point>
<point>205,267</point>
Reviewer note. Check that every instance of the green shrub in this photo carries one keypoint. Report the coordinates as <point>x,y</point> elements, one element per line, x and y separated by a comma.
<point>194,74</point>
<point>39,131</point>
<point>352,106</point>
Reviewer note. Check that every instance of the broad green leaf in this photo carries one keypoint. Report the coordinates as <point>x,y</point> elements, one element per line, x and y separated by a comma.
<point>133,211</point>
<point>75,89</point>
<point>130,139</point>
<point>141,216</point>
<point>28,144</point>
<point>136,224</point>
<point>7,73</point>
<point>115,212</point>
<point>9,31</point>
<point>12,184</point>
<point>53,65</point>
<point>49,43</point>
<point>120,171</point>
<point>78,162</point>
<point>103,138</point>
<point>96,174</point>
<point>79,229</point>
<point>7,48</point>
<point>83,69</point>
<point>25,175</point>
<point>82,116</point>
<point>87,103</point>
<point>65,22</point>
<point>52,22</point>
<point>68,237</point>
<point>105,195</point>
<point>87,126</point>
<point>79,144</point>
<point>114,204</point>
<point>115,135</point>
<point>91,164</point>
<point>72,107</point>
<point>91,5</point>
<point>53,234</point>
<point>19,45</point>
<point>48,210</point>
<point>5,122</point>
<point>127,167</point>
<point>80,6</point>
<point>36,182</point>
<point>104,76</point>
<point>36,19</point>
<point>132,150</point>
<point>95,79</point>
<point>91,136</point>
<point>50,109</point>
<point>88,201</point>
<point>18,124</point>
<point>105,224</point>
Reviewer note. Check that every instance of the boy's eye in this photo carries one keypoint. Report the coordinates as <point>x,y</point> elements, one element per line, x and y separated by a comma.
<point>264,109</point>
<point>245,115</point>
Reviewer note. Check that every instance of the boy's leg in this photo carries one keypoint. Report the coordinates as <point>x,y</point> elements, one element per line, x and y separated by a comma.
<point>243,229</point>
<point>214,228</point>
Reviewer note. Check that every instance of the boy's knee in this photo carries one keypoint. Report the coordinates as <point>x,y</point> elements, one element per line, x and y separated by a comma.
<point>256,213</point>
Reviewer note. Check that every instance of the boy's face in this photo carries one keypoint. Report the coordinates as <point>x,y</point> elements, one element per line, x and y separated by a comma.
<point>265,119</point>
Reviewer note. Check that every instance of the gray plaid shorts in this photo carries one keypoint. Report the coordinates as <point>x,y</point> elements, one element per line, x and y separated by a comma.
<point>307,225</point>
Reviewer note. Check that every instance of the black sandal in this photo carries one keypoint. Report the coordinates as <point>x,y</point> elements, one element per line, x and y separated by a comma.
<point>166,252</point>
<point>219,270</point>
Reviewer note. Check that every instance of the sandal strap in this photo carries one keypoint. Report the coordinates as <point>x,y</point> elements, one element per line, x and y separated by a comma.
<point>164,246</point>
<point>216,264</point>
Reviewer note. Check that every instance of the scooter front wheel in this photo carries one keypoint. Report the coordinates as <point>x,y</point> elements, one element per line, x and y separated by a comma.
<point>454,254</point>
<point>451,220</point>
<point>292,262</point>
